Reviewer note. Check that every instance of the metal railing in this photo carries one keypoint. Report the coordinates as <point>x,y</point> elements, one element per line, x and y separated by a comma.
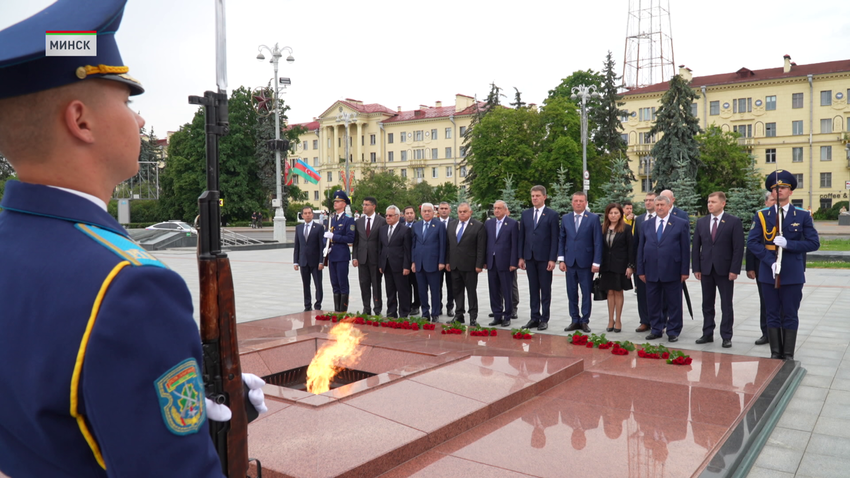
<point>230,238</point>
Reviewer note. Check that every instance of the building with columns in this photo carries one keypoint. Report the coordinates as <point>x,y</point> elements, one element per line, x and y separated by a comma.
<point>794,117</point>
<point>425,144</point>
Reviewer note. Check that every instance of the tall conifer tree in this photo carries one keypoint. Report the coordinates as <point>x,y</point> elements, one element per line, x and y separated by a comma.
<point>678,127</point>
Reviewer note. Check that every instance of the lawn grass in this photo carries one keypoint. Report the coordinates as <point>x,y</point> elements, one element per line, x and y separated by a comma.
<point>835,245</point>
<point>828,265</point>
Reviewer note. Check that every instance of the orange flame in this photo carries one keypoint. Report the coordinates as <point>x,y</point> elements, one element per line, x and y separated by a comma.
<point>340,352</point>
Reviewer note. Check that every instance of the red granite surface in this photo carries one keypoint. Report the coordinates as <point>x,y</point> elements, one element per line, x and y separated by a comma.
<point>504,408</point>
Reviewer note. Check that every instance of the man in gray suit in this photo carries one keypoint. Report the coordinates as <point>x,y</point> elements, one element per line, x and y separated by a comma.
<point>465,259</point>
<point>365,256</point>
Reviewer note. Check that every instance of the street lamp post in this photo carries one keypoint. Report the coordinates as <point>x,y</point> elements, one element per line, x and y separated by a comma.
<point>346,117</point>
<point>279,217</point>
<point>584,93</point>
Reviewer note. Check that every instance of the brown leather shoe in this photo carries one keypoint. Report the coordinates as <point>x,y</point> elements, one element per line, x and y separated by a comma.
<point>643,328</point>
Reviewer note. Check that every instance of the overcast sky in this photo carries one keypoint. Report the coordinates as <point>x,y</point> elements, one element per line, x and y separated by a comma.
<point>411,53</point>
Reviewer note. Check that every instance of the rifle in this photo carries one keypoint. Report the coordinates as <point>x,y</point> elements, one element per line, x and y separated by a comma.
<point>778,280</point>
<point>222,371</point>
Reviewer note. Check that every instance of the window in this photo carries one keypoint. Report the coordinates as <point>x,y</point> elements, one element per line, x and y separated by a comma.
<point>797,155</point>
<point>826,180</point>
<point>435,173</point>
<point>625,138</point>
<point>404,155</point>
<point>826,125</point>
<point>797,203</point>
<point>646,138</point>
<point>645,185</point>
<point>745,130</point>
<point>373,157</point>
<point>462,130</point>
<point>463,171</point>
<point>435,153</point>
<point>329,143</point>
<point>315,144</point>
<point>714,108</point>
<point>799,178</point>
<point>434,133</point>
<point>826,203</point>
<point>339,140</point>
<point>448,152</point>
<point>770,130</point>
<point>419,173</point>
<point>402,137</point>
<point>742,105</point>
<point>448,133</point>
<point>295,179</point>
<point>770,103</point>
<point>418,154</point>
<point>624,117</point>
<point>797,127</point>
<point>463,151</point>
<point>372,139</point>
<point>330,176</point>
<point>694,109</point>
<point>315,195</point>
<point>826,153</point>
<point>417,135</point>
<point>389,138</point>
<point>449,171</point>
<point>306,145</point>
<point>390,157</point>
<point>404,173</point>
<point>363,140</point>
<point>797,100</point>
<point>770,155</point>
<point>647,114</point>
<point>826,97</point>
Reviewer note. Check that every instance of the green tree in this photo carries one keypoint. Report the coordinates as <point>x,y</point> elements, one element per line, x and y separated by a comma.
<point>684,187</point>
<point>384,186</point>
<point>585,77</point>
<point>679,128</point>
<point>745,200</point>
<point>725,162</point>
<point>607,114</point>
<point>560,193</point>
<point>560,147</point>
<point>518,103</point>
<point>619,188</point>
<point>6,170</point>
<point>508,194</point>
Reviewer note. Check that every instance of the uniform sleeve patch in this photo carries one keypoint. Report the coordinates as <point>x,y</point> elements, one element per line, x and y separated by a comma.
<point>181,398</point>
<point>352,227</point>
<point>121,246</point>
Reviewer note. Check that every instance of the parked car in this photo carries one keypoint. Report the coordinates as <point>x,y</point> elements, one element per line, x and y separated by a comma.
<point>176,226</point>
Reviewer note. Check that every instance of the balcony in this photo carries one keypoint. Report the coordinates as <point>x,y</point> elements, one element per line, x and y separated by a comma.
<point>641,149</point>
<point>746,142</point>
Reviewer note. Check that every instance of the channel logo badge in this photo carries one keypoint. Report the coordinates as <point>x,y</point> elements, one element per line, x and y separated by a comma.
<point>70,43</point>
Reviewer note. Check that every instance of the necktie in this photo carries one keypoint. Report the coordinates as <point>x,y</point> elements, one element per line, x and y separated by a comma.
<point>460,231</point>
<point>424,230</point>
<point>446,225</point>
<point>498,228</point>
<point>306,231</point>
<point>535,217</point>
<point>660,229</point>
<point>390,234</point>
<point>577,221</point>
<point>368,226</point>
<point>714,230</point>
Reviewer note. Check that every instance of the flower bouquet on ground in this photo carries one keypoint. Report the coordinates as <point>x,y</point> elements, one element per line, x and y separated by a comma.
<point>521,333</point>
<point>578,338</point>
<point>454,328</point>
<point>677,357</point>
<point>622,347</point>
<point>599,341</point>
<point>654,351</point>
<point>479,331</point>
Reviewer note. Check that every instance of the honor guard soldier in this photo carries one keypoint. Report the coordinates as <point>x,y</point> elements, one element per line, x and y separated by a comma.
<point>340,234</point>
<point>107,378</point>
<point>780,237</point>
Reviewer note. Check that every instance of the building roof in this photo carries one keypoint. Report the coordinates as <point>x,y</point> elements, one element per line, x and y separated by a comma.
<point>360,107</point>
<point>312,125</point>
<point>745,75</point>
<point>431,112</point>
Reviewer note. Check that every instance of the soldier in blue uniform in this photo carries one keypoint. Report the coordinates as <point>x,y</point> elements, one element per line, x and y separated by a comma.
<point>341,233</point>
<point>794,238</point>
<point>101,353</point>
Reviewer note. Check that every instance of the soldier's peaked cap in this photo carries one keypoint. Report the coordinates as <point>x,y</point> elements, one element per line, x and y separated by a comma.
<point>340,194</point>
<point>25,66</point>
<point>780,178</point>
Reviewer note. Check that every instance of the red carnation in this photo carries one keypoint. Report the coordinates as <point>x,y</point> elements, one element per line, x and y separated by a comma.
<point>492,332</point>
<point>443,332</point>
<point>526,336</point>
<point>665,355</point>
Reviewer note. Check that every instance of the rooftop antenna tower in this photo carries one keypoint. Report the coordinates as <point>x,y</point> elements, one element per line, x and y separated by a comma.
<point>649,44</point>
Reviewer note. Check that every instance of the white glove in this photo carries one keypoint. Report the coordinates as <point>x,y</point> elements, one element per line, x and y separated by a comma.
<point>255,391</point>
<point>217,412</point>
<point>775,268</point>
<point>329,235</point>
<point>780,241</point>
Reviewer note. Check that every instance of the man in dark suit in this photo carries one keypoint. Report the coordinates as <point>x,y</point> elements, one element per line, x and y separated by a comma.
<point>307,257</point>
<point>467,244</point>
<point>429,260</point>
<point>675,211</point>
<point>580,254</point>
<point>444,211</point>
<point>365,256</point>
<point>409,221</point>
<point>752,269</point>
<point>789,230</point>
<point>640,286</point>
<point>663,264</point>
<point>502,259</point>
<point>538,250</point>
<point>718,249</point>
<point>394,262</point>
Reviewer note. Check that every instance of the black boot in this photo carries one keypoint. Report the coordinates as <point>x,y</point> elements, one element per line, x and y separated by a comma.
<point>774,336</point>
<point>789,342</point>
<point>343,303</point>
<point>336,302</point>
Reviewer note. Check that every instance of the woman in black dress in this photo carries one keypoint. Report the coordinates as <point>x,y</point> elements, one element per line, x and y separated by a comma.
<point>617,263</point>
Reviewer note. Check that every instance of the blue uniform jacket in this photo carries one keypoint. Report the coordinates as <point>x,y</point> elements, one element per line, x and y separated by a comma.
<point>799,231</point>
<point>581,248</point>
<point>429,250</point>
<point>344,233</point>
<point>100,347</point>
<point>668,260</point>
